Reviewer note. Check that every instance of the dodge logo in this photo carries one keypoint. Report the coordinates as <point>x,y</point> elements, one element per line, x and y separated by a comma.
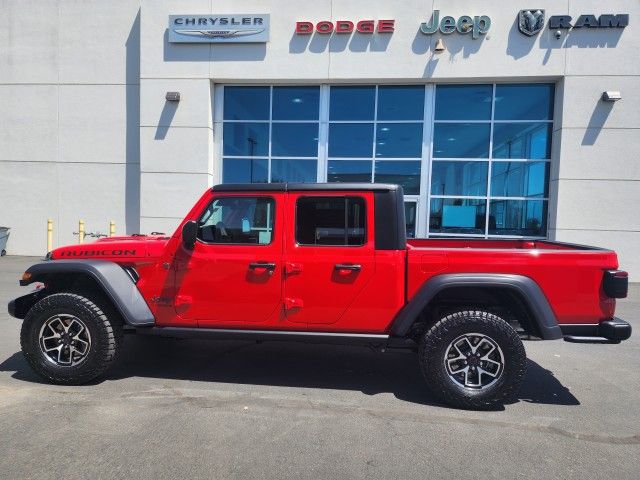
<point>531,22</point>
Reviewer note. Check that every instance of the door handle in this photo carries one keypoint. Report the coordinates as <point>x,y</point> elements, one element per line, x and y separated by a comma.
<point>260,265</point>
<point>347,266</point>
<point>291,268</point>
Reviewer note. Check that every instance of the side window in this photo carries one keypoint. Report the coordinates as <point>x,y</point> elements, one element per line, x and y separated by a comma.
<point>239,220</point>
<point>334,221</point>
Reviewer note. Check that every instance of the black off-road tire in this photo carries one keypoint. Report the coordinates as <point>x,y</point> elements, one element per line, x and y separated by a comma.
<point>432,354</point>
<point>105,330</point>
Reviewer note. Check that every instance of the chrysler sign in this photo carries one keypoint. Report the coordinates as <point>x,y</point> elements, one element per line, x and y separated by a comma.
<point>237,28</point>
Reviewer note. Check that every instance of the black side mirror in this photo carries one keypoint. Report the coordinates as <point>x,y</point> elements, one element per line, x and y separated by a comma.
<point>189,233</point>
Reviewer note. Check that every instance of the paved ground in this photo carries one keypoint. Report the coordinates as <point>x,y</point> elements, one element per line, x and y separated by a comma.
<point>192,409</point>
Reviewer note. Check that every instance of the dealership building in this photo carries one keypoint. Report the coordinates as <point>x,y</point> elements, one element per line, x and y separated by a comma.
<point>500,119</point>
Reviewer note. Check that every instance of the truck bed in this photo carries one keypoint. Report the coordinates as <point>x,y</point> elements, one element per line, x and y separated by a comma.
<point>570,275</point>
<point>441,243</point>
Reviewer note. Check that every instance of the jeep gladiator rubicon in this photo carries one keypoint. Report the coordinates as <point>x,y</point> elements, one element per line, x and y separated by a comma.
<point>321,263</point>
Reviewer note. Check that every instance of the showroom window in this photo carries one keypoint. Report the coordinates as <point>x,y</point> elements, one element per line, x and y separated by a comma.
<point>270,134</point>
<point>473,159</point>
<point>375,134</point>
<point>490,160</point>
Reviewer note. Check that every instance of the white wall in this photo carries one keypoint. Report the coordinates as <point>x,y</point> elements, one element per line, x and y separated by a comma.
<point>596,174</point>
<point>69,117</point>
<point>86,131</point>
<point>594,181</point>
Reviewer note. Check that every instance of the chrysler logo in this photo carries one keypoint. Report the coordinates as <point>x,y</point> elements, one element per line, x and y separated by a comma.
<point>219,33</point>
<point>531,22</point>
<point>236,28</point>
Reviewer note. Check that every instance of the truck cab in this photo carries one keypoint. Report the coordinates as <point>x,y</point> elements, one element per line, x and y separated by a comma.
<point>300,257</point>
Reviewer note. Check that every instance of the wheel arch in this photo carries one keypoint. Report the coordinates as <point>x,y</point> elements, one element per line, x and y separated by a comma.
<point>75,276</point>
<point>522,294</point>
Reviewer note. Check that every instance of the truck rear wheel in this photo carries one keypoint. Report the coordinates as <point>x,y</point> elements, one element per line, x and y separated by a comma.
<point>472,359</point>
<point>68,339</point>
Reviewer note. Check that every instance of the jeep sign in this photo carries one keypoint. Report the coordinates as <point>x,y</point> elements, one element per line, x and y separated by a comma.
<point>477,25</point>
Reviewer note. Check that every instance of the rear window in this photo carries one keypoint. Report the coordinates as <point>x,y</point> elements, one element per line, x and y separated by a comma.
<point>336,221</point>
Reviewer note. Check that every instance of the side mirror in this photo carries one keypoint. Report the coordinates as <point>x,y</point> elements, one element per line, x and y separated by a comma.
<point>189,233</point>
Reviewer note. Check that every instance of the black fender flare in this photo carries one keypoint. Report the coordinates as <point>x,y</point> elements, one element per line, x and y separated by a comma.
<point>527,288</point>
<point>110,277</point>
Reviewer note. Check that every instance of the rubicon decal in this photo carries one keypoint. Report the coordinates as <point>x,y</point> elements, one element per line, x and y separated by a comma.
<point>476,25</point>
<point>345,26</point>
<point>242,28</point>
<point>98,253</point>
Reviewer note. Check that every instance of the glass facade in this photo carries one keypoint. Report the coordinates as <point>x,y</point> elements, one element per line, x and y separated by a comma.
<point>473,159</point>
<point>270,134</point>
<point>490,160</point>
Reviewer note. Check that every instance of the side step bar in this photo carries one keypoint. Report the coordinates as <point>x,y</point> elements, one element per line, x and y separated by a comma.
<point>268,335</point>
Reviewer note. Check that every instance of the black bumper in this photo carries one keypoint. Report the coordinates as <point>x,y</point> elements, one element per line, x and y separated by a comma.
<point>18,307</point>
<point>613,330</point>
<point>12,308</point>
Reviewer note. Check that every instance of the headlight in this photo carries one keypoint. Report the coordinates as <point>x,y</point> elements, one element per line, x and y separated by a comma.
<point>48,256</point>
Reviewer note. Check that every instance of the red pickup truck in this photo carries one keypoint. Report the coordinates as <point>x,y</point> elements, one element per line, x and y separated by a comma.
<point>321,263</point>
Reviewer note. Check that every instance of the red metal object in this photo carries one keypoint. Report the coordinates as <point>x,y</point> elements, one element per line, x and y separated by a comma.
<point>345,26</point>
<point>213,286</point>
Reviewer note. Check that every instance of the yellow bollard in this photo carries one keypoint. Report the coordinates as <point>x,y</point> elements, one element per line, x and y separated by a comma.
<point>81,231</point>
<point>112,228</point>
<point>49,235</point>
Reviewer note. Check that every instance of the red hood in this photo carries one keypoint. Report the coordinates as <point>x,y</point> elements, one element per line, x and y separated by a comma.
<point>122,249</point>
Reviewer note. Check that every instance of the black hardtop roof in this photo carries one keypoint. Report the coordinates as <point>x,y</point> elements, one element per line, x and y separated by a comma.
<point>291,187</point>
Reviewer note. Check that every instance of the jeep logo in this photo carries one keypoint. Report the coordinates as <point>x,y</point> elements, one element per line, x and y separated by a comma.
<point>477,25</point>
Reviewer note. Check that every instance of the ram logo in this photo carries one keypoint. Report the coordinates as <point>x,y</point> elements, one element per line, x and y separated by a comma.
<point>530,22</point>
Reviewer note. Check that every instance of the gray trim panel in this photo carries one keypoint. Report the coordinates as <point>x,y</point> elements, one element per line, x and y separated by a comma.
<point>267,335</point>
<point>299,187</point>
<point>390,229</point>
<point>113,280</point>
<point>533,296</point>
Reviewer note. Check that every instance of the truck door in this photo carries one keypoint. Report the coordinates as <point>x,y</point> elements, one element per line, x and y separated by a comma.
<point>329,255</point>
<point>233,275</point>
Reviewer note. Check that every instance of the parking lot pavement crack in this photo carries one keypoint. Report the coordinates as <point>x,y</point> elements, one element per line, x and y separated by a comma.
<point>268,406</point>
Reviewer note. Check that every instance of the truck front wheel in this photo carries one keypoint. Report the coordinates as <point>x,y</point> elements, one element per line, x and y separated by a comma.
<point>472,359</point>
<point>68,339</point>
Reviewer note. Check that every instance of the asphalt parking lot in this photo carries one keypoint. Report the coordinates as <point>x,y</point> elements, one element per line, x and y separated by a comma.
<point>197,409</point>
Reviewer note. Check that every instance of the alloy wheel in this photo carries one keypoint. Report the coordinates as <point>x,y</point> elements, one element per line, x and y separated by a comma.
<point>474,361</point>
<point>65,340</point>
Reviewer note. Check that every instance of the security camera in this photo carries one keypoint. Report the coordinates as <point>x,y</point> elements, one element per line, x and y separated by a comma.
<point>611,96</point>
